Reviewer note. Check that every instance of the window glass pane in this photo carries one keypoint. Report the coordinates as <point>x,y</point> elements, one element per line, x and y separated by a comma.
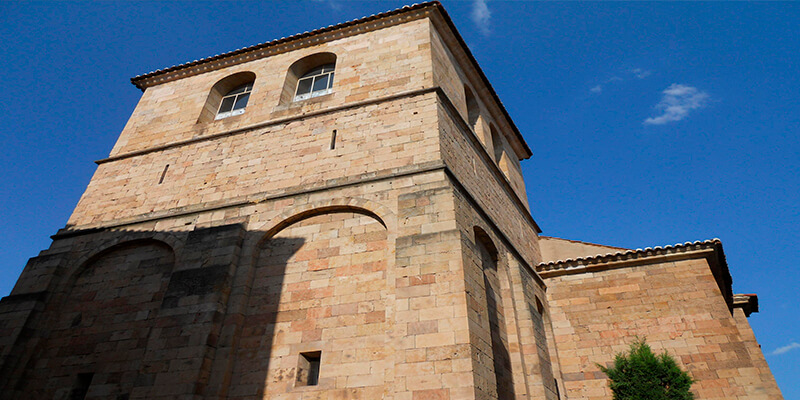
<point>238,90</point>
<point>227,104</point>
<point>304,86</point>
<point>241,101</point>
<point>327,68</point>
<point>315,71</point>
<point>321,82</point>
<point>330,80</point>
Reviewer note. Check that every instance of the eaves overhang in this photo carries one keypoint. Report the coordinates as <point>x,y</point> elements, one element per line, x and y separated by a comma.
<point>747,302</point>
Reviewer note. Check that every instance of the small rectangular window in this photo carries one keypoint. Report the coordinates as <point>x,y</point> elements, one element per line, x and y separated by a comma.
<point>308,368</point>
<point>163,174</point>
<point>81,387</point>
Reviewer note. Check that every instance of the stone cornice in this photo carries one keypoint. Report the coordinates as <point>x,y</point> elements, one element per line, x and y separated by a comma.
<point>747,302</point>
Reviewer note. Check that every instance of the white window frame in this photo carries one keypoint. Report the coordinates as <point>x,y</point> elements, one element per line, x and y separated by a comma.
<point>248,88</point>
<point>326,71</point>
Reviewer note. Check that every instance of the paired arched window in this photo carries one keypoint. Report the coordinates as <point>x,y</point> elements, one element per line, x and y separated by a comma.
<point>308,77</point>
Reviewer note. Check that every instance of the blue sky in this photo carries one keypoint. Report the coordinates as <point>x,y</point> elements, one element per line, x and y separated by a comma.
<point>650,123</point>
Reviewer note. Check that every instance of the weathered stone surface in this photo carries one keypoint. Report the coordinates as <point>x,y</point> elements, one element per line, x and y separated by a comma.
<point>383,228</point>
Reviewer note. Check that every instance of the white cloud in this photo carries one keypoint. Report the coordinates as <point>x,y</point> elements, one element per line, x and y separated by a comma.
<point>481,15</point>
<point>333,4</point>
<point>785,349</point>
<point>676,104</point>
<point>597,89</point>
<point>641,73</point>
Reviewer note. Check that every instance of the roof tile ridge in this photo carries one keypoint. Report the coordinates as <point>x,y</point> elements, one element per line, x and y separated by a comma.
<point>257,46</point>
<point>629,253</point>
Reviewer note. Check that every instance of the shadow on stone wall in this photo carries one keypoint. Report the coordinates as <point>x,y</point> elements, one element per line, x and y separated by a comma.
<point>138,314</point>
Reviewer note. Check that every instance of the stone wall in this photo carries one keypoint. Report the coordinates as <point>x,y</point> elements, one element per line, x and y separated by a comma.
<point>371,65</point>
<point>451,76</point>
<point>676,305</point>
<point>289,157</point>
<point>510,353</point>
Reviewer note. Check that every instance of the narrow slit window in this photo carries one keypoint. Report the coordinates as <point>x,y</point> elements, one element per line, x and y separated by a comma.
<point>333,139</point>
<point>308,368</point>
<point>163,174</point>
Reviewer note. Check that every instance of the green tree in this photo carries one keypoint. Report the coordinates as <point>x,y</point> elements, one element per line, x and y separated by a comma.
<point>642,375</point>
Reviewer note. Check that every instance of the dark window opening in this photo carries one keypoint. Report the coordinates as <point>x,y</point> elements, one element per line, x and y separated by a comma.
<point>81,388</point>
<point>308,368</point>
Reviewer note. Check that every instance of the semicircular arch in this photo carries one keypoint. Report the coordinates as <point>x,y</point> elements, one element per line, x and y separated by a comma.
<point>292,215</point>
<point>87,261</point>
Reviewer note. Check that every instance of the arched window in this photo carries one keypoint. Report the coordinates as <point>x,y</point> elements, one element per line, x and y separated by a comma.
<point>488,259</point>
<point>497,143</point>
<point>308,77</point>
<point>473,109</point>
<point>228,97</point>
<point>316,82</point>
<point>235,101</point>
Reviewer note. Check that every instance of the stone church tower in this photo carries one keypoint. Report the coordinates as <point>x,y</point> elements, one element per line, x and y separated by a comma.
<point>340,214</point>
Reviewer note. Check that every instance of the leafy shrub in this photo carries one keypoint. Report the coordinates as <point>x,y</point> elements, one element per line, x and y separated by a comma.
<point>642,375</point>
